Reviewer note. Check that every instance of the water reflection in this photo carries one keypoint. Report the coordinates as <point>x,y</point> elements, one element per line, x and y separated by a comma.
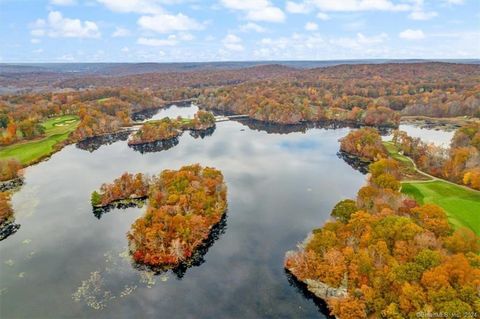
<point>185,110</point>
<point>8,228</point>
<point>355,162</point>
<point>273,128</point>
<point>92,144</point>
<point>98,212</point>
<point>301,288</point>
<point>157,146</point>
<point>202,133</point>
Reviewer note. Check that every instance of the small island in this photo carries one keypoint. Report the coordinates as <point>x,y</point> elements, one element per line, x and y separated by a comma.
<point>183,207</point>
<point>167,129</point>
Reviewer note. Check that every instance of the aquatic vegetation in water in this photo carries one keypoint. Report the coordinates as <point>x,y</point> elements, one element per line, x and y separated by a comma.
<point>93,292</point>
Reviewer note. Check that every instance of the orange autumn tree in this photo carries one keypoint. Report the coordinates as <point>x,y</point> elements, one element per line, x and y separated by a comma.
<point>393,257</point>
<point>6,211</point>
<point>183,206</point>
<point>127,186</point>
<point>365,143</point>
<point>9,169</point>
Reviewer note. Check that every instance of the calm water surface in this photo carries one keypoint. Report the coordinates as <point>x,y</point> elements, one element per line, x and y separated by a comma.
<point>65,263</point>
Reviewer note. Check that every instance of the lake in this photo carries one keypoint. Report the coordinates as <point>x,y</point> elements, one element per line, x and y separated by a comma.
<point>65,262</point>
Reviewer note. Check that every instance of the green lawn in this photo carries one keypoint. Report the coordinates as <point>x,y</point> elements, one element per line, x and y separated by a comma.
<point>461,205</point>
<point>56,130</point>
<point>393,152</point>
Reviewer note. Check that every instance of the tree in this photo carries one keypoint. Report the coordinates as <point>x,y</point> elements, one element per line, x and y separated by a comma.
<point>344,209</point>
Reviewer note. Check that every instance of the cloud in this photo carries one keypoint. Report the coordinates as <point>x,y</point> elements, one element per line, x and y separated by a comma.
<point>135,6</point>
<point>56,26</point>
<point>454,1</point>
<point>256,10</point>
<point>250,26</point>
<point>360,41</point>
<point>422,15</point>
<point>154,42</point>
<point>165,23</point>
<point>311,26</point>
<point>295,7</point>
<point>121,32</point>
<point>410,34</point>
<point>233,43</point>
<point>63,2</point>
<point>323,16</point>
<point>35,41</point>
<point>356,5</point>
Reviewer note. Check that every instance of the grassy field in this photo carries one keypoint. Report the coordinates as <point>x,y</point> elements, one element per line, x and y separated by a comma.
<point>409,172</point>
<point>461,205</point>
<point>56,130</point>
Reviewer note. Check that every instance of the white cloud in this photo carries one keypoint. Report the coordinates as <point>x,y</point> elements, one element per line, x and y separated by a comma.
<point>379,38</point>
<point>323,16</point>
<point>233,43</point>
<point>38,51</point>
<point>184,36</point>
<point>360,41</point>
<point>311,26</point>
<point>165,23</point>
<point>250,26</point>
<point>63,2</point>
<point>410,34</point>
<point>121,32</point>
<point>35,41</point>
<point>358,5</point>
<point>296,7</point>
<point>136,6</point>
<point>125,50</point>
<point>171,40</point>
<point>56,26</point>
<point>422,15</point>
<point>256,10</point>
<point>454,1</point>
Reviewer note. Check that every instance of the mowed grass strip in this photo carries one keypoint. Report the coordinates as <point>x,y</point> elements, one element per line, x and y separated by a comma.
<point>461,205</point>
<point>56,130</point>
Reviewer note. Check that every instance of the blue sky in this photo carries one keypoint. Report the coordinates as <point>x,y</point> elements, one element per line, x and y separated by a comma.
<point>217,30</point>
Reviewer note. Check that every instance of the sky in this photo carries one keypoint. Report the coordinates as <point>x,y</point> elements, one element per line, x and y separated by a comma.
<point>236,30</point>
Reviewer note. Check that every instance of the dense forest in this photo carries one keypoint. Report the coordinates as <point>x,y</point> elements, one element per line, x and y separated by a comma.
<point>183,206</point>
<point>364,94</point>
<point>385,256</point>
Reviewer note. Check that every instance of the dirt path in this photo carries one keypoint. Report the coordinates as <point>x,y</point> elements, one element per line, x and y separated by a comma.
<point>433,178</point>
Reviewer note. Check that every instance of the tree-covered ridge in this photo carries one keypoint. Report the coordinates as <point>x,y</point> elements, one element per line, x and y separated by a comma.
<point>392,257</point>
<point>182,207</point>
<point>167,128</point>
<point>365,94</point>
<point>365,143</point>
